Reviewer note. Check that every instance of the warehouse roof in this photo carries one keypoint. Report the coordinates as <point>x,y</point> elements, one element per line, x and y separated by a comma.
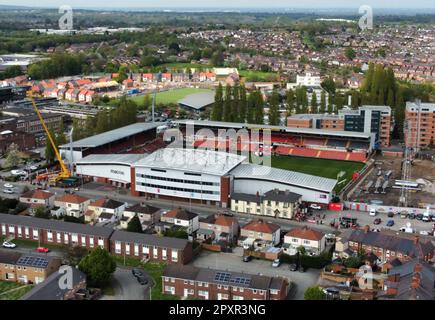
<point>257,172</point>
<point>127,159</point>
<point>112,135</point>
<point>237,125</point>
<point>192,160</point>
<point>198,100</point>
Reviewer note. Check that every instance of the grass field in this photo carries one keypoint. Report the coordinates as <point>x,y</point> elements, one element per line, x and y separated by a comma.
<point>251,75</point>
<point>7,294</point>
<point>318,167</point>
<point>171,96</point>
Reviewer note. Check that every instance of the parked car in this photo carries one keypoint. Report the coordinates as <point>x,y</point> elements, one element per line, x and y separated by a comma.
<point>376,230</point>
<point>137,272</point>
<point>390,223</point>
<point>403,215</point>
<point>419,216</point>
<point>247,258</point>
<point>293,267</point>
<point>8,186</point>
<point>372,212</point>
<point>276,263</point>
<point>315,206</point>
<point>424,233</point>
<point>377,221</point>
<point>9,245</point>
<point>33,168</point>
<point>142,280</point>
<point>18,172</point>
<point>331,290</point>
<point>9,191</point>
<point>42,249</point>
<point>411,216</point>
<point>390,214</point>
<point>426,218</point>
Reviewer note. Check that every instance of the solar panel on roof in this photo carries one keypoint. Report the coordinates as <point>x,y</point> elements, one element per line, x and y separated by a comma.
<point>33,261</point>
<point>241,280</point>
<point>222,276</point>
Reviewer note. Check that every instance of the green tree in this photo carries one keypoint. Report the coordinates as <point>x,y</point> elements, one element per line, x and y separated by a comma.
<point>147,102</point>
<point>134,225</point>
<point>313,102</point>
<point>98,266</point>
<point>235,103</point>
<point>274,118</point>
<point>368,80</point>
<point>259,108</point>
<point>329,85</point>
<point>13,156</point>
<point>227,104</point>
<point>350,53</point>
<point>42,212</point>
<point>216,113</point>
<point>251,107</point>
<point>243,104</point>
<point>102,124</point>
<point>290,100</point>
<point>11,72</point>
<point>74,254</point>
<point>314,293</point>
<point>322,102</point>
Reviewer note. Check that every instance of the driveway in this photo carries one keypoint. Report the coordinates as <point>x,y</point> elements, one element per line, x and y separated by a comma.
<point>233,262</point>
<point>127,287</point>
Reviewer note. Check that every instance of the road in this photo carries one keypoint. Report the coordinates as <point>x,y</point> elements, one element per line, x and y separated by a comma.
<point>126,286</point>
<point>233,262</point>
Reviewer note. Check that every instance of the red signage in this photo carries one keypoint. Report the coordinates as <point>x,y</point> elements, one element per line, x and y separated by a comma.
<point>335,206</point>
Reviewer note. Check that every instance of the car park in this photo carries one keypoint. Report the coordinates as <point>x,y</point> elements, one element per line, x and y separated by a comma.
<point>377,221</point>
<point>247,258</point>
<point>390,223</point>
<point>276,263</point>
<point>293,267</point>
<point>8,245</point>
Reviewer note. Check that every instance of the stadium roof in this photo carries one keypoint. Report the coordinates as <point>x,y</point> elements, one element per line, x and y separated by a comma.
<point>257,172</point>
<point>198,100</point>
<point>192,160</point>
<point>111,136</point>
<point>127,159</point>
<point>236,125</point>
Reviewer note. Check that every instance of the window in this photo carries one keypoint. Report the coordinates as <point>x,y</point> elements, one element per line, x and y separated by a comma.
<point>306,241</point>
<point>173,280</point>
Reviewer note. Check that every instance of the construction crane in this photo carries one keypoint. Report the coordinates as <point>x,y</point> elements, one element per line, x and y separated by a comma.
<point>64,172</point>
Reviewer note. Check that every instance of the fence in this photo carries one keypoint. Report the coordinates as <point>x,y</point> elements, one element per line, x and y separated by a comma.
<point>365,207</point>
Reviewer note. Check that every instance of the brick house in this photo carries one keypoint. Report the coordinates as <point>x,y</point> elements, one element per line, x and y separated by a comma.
<point>223,227</point>
<point>312,240</point>
<point>183,218</point>
<point>73,204</point>
<point>263,232</point>
<point>54,231</point>
<point>388,245</point>
<point>38,197</point>
<point>108,206</point>
<point>209,284</point>
<point>26,268</point>
<point>151,247</point>
<point>148,215</point>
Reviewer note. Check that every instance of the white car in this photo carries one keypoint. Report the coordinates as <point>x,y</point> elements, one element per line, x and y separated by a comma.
<point>18,173</point>
<point>315,206</point>
<point>9,245</point>
<point>8,186</point>
<point>9,191</point>
<point>276,263</point>
<point>424,233</point>
<point>33,168</point>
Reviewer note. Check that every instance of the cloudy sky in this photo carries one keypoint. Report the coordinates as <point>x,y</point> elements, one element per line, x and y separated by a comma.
<point>225,3</point>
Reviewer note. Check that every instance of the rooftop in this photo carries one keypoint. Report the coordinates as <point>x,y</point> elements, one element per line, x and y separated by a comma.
<point>37,194</point>
<point>112,135</point>
<point>192,160</point>
<point>305,233</point>
<point>260,225</point>
<point>149,239</point>
<point>257,172</point>
<point>179,213</point>
<point>127,159</point>
<point>198,100</point>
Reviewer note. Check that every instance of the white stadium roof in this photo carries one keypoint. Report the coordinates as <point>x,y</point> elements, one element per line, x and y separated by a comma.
<point>192,160</point>
<point>257,172</point>
<point>111,136</point>
<point>237,125</point>
<point>127,159</point>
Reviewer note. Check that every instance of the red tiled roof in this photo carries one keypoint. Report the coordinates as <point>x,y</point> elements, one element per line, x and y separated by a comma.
<point>38,194</point>
<point>226,221</point>
<point>261,226</point>
<point>72,198</point>
<point>305,233</point>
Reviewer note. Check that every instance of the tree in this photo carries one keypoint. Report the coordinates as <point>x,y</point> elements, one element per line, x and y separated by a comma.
<point>329,85</point>
<point>243,104</point>
<point>259,108</point>
<point>352,262</point>
<point>216,113</point>
<point>147,102</point>
<point>314,293</point>
<point>13,156</point>
<point>368,80</point>
<point>322,102</point>
<point>227,104</point>
<point>290,99</point>
<point>274,118</point>
<point>350,53</point>
<point>11,72</point>
<point>235,112</point>
<point>42,212</point>
<point>98,266</point>
<point>74,254</point>
<point>313,102</point>
<point>217,59</point>
<point>134,225</point>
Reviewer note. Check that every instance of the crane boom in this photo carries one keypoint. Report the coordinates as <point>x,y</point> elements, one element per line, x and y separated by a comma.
<point>64,172</point>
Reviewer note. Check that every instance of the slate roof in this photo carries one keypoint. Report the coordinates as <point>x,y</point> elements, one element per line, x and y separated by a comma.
<point>9,257</point>
<point>179,213</point>
<point>282,196</point>
<point>150,240</point>
<point>139,208</point>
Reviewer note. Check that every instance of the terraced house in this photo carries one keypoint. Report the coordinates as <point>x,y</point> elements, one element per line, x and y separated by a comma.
<point>209,284</point>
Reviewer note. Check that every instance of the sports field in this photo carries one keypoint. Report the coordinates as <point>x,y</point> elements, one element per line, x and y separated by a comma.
<point>170,96</point>
<point>318,167</point>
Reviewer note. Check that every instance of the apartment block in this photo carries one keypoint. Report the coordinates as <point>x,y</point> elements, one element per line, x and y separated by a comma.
<point>421,124</point>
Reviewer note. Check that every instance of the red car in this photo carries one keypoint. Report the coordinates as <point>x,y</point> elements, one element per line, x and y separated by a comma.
<point>42,249</point>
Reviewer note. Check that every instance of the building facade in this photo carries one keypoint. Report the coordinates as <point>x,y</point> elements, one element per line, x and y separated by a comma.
<point>420,120</point>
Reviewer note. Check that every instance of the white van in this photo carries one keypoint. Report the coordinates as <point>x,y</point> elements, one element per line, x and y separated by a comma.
<point>372,212</point>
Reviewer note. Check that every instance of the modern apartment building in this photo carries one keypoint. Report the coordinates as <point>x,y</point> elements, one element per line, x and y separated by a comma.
<point>421,124</point>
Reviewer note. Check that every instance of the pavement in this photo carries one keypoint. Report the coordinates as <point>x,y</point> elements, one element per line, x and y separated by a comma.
<point>233,262</point>
<point>127,287</point>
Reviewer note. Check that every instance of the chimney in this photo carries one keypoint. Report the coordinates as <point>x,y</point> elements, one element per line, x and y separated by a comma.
<point>366,228</point>
<point>416,239</point>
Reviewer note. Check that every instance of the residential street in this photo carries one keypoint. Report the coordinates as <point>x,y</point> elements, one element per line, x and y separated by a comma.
<point>233,262</point>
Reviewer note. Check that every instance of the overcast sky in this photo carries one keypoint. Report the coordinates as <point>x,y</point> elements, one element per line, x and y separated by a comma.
<point>225,3</point>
